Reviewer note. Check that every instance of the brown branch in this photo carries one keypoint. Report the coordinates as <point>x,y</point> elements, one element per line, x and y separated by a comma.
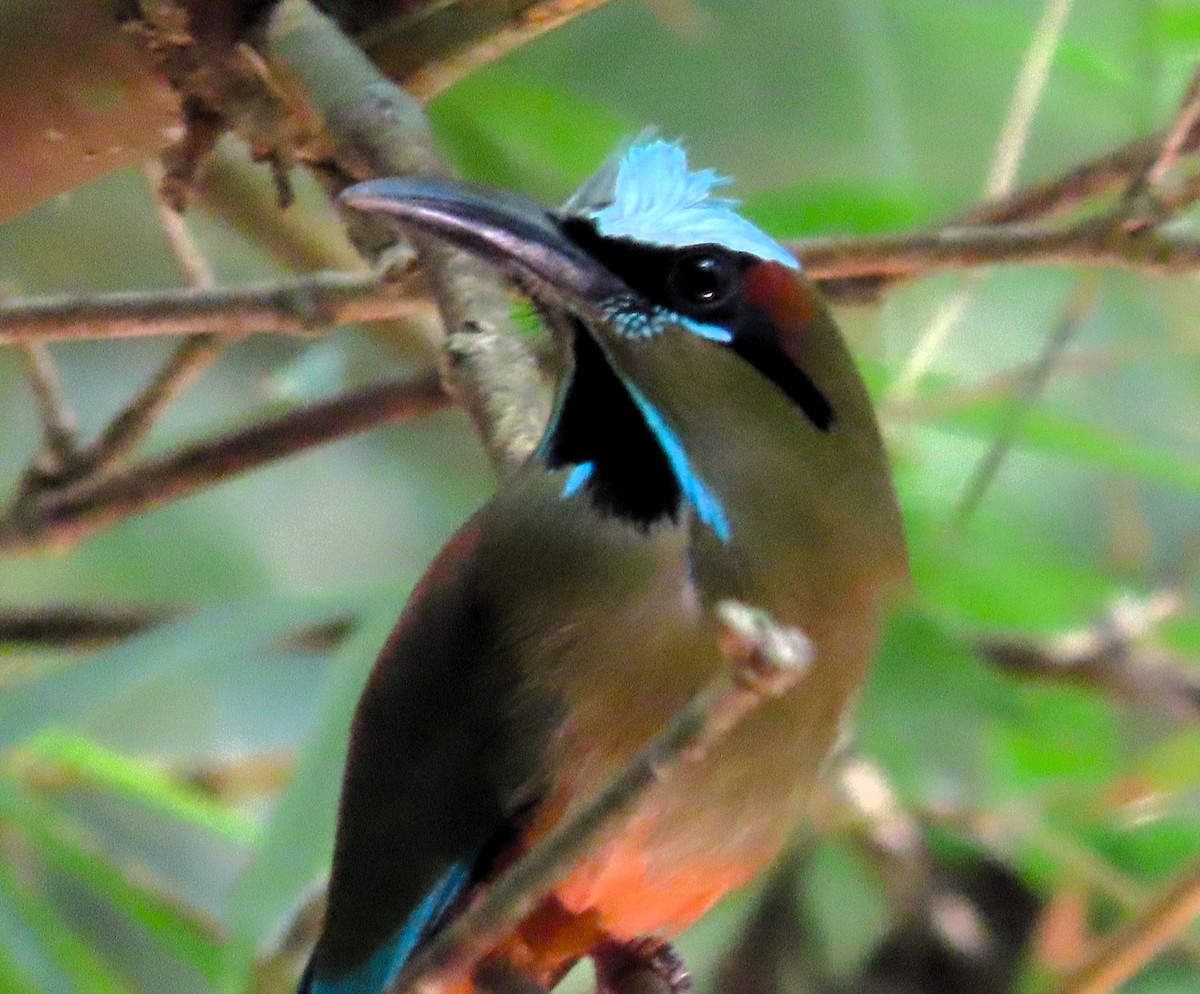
<point>182,367</point>
<point>299,306</point>
<point>1181,134</point>
<point>64,516</point>
<point>491,31</point>
<point>1131,948</point>
<point>76,627</point>
<point>290,307</point>
<point>59,449</point>
<point>1107,656</point>
<point>915,253</point>
<point>1110,172</point>
<point>134,421</point>
<point>765,661</point>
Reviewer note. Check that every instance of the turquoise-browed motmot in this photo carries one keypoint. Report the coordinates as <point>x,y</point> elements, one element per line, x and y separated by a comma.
<point>711,439</point>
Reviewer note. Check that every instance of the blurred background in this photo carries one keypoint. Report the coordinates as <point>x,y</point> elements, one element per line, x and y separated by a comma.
<point>167,797</point>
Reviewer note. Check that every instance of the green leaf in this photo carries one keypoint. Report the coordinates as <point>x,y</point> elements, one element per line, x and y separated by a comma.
<point>923,708</point>
<point>94,766</point>
<point>297,843</point>
<point>977,25</point>
<point>48,951</point>
<point>1058,434</point>
<point>181,931</point>
<point>1178,22</point>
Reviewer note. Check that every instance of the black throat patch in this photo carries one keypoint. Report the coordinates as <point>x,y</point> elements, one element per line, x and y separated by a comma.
<point>598,423</point>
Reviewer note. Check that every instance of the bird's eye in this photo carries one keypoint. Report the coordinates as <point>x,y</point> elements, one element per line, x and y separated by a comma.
<point>703,280</point>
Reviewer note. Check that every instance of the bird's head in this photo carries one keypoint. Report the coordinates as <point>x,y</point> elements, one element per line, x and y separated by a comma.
<point>707,371</point>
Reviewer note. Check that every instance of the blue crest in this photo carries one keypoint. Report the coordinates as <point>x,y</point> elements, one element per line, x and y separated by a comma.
<point>647,193</point>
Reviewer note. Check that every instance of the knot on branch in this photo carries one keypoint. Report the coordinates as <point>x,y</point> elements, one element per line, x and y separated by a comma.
<point>767,658</point>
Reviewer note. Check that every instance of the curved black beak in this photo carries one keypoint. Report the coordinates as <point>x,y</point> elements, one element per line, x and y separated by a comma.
<point>514,233</point>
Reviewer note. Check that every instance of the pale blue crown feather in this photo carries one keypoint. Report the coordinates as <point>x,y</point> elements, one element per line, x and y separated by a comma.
<point>647,193</point>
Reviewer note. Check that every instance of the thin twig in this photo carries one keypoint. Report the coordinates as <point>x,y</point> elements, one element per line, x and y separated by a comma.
<point>59,518</point>
<point>298,306</point>
<point>917,253</point>
<point>1078,187</point>
<point>1146,201</point>
<point>195,268</point>
<point>185,364</point>
<point>305,305</point>
<point>59,425</point>
<point>956,397</point>
<point>1182,132</point>
<point>765,661</point>
<point>1131,948</point>
<point>1079,305</point>
<point>1026,96</point>
<point>1108,172</point>
<point>134,421</point>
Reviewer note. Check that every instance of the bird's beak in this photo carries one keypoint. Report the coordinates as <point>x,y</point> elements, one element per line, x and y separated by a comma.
<point>516,234</point>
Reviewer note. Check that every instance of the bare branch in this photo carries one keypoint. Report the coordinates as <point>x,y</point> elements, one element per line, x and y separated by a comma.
<point>61,517</point>
<point>76,627</point>
<point>1109,656</point>
<point>1181,133</point>
<point>290,307</point>
<point>59,426</point>
<point>379,130</point>
<point>1131,948</point>
<point>1109,172</point>
<point>189,360</point>
<point>765,661</point>
<point>133,422</point>
<point>916,253</point>
<point>1078,307</point>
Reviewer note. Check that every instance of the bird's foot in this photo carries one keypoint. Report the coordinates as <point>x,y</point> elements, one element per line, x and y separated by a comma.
<point>649,965</point>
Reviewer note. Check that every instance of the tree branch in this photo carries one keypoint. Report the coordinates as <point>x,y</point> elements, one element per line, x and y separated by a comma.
<point>298,306</point>
<point>63,516</point>
<point>1108,656</point>
<point>1131,948</point>
<point>765,661</point>
<point>290,307</point>
<point>911,254</point>
<point>379,130</point>
<point>76,627</point>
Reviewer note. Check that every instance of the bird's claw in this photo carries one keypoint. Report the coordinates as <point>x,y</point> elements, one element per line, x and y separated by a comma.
<point>618,965</point>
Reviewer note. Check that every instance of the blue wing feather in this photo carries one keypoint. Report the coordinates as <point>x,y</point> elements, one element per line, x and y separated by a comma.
<point>386,963</point>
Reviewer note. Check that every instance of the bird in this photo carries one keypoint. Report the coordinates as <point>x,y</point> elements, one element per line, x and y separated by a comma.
<point>710,438</point>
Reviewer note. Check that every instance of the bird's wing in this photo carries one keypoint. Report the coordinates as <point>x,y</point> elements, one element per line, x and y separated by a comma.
<point>439,766</point>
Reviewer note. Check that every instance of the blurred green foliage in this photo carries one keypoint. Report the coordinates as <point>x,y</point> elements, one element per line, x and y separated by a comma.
<point>119,873</point>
